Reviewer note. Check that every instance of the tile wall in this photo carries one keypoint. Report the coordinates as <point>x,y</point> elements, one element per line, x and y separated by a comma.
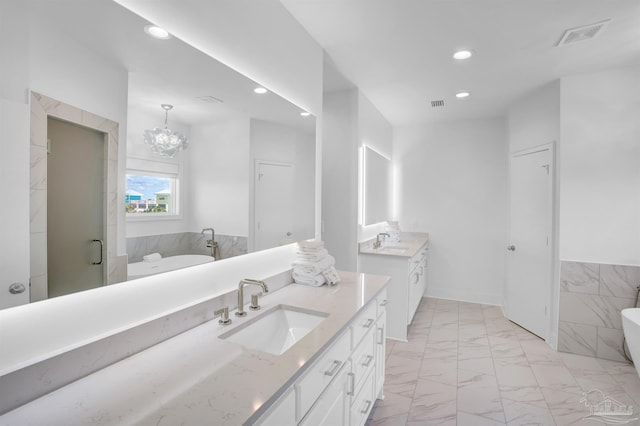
<point>184,243</point>
<point>591,298</point>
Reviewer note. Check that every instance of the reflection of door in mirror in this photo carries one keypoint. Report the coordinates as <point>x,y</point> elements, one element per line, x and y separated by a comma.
<point>273,204</point>
<point>75,208</point>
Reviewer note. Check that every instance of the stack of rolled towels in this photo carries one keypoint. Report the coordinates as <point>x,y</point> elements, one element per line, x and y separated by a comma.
<point>313,264</point>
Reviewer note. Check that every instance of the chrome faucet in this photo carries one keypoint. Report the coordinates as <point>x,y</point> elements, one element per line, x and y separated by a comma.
<point>212,242</point>
<point>240,312</point>
<point>378,243</point>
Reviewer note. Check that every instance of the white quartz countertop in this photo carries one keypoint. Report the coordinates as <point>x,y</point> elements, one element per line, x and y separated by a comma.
<point>196,378</point>
<point>410,243</point>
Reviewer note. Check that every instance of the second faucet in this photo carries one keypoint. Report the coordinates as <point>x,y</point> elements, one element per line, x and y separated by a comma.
<point>241,312</point>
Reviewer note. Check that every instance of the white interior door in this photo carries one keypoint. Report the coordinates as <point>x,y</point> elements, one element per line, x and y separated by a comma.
<point>75,208</point>
<point>529,258</point>
<point>274,208</point>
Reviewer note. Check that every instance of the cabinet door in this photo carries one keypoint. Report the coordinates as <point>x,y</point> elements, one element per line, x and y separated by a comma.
<point>332,408</point>
<point>381,337</point>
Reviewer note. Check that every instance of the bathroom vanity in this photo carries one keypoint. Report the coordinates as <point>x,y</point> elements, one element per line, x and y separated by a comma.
<point>406,263</point>
<point>332,375</point>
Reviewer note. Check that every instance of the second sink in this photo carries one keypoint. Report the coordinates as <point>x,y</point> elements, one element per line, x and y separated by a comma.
<point>276,330</point>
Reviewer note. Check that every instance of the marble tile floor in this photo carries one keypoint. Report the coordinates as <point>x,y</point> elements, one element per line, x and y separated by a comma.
<point>466,364</point>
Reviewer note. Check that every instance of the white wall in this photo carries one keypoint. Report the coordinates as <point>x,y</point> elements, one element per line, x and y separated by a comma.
<point>138,122</point>
<point>340,177</point>
<point>534,119</point>
<point>14,161</point>
<point>600,171</point>
<point>274,142</point>
<point>220,177</point>
<point>453,185</point>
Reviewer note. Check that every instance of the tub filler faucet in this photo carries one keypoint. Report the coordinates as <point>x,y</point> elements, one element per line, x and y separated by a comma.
<point>241,312</point>
<point>212,244</point>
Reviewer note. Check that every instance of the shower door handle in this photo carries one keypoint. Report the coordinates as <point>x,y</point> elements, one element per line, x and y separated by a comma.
<point>101,251</point>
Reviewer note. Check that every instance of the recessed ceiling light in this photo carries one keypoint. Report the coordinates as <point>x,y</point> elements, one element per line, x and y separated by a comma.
<point>305,113</point>
<point>461,95</point>
<point>463,54</point>
<point>157,32</point>
<point>260,90</point>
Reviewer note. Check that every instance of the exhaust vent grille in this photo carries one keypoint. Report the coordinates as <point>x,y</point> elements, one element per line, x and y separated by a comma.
<point>210,99</point>
<point>437,104</point>
<point>587,32</point>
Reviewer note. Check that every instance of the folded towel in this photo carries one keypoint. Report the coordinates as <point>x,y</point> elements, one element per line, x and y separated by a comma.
<point>311,267</point>
<point>307,244</point>
<point>312,256</point>
<point>153,257</point>
<point>312,280</point>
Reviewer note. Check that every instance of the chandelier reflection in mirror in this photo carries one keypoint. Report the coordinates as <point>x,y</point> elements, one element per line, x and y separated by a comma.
<point>165,142</point>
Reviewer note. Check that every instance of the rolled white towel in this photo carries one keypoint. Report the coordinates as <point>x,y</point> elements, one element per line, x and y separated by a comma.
<point>307,244</point>
<point>312,256</point>
<point>153,257</point>
<point>312,280</point>
<point>311,267</point>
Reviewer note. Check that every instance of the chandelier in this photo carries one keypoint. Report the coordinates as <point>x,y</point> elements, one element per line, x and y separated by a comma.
<point>165,142</point>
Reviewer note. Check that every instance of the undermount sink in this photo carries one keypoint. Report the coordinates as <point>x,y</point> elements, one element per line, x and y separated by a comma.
<point>276,330</point>
<point>393,250</point>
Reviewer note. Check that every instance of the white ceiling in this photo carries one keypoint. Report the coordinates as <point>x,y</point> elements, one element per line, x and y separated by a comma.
<point>399,52</point>
<point>164,71</point>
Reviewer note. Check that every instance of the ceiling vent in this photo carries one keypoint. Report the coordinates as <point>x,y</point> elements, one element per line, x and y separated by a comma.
<point>437,104</point>
<point>210,99</point>
<point>586,32</point>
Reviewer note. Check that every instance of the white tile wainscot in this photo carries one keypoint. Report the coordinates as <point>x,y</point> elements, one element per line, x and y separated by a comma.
<point>196,377</point>
<point>406,262</point>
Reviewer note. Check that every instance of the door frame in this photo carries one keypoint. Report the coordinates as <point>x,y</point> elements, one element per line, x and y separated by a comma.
<point>552,289</point>
<point>254,191</point>
<point>41,108</point>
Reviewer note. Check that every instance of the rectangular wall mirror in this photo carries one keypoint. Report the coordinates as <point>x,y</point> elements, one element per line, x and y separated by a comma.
<point>378,187</point>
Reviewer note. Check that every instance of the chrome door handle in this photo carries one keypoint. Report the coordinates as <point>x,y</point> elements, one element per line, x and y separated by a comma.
<point>101,251</point>
<point>381,330</point>
<point>366,409</point>
<point>511,248</point>
<point>367,363</point>
<point>352,384</point>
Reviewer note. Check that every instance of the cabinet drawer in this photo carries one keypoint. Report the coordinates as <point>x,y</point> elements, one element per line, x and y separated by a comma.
<point>332,407</point>
<point>282,413</point>
<point>363,403</point>
<point>363,359</point>
<point>364,322</point>
<point>320,374</point>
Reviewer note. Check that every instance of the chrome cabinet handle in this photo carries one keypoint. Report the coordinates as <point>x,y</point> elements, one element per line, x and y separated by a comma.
<point>366,409</point>
<point>352,384</point>
<point>384,302</point>
<point>368,361</point>
<point>332,371</point>
<point>368,324</point>
<point>511,248</point>
<point>381,330</point>
<point>101,251</point>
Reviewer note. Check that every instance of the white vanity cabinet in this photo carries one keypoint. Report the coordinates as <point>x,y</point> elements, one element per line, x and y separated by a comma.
<point>408,274</point>
<point>341,386</point>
